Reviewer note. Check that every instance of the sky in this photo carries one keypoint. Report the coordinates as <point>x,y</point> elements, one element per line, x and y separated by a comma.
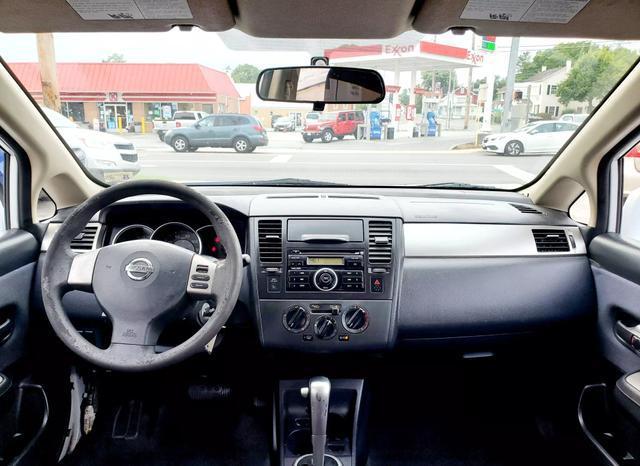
<point>208,48</point>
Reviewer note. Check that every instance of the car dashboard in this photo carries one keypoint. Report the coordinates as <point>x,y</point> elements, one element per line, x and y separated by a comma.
<point>340,271</point>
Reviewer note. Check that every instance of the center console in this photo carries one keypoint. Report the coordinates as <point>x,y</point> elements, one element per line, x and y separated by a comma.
<point>325,284</point>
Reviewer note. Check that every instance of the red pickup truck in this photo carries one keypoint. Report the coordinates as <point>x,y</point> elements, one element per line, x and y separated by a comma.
<point>333,125</point>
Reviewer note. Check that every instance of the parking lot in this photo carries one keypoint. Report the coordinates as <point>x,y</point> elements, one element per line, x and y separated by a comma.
<point>401,161</point>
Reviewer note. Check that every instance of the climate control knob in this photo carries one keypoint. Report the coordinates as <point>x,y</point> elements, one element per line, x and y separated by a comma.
<point>326,328</point>
<point>295,319</point>
<point>355,319</point>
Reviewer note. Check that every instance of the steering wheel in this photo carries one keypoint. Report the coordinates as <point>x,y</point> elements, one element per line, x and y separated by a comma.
<point>141,285</point>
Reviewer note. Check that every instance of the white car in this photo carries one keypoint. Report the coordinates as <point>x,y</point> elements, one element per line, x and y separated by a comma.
<point>574,117</point>
<point>108,157</point>
<point>541,137</point>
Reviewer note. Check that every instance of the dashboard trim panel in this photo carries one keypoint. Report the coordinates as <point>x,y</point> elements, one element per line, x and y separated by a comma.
<point>481,240</point>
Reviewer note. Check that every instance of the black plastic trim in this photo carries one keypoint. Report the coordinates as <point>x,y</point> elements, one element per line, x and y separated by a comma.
<point>616,255</point>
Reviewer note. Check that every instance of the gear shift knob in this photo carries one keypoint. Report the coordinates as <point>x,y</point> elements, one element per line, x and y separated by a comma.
<point>318,392</point>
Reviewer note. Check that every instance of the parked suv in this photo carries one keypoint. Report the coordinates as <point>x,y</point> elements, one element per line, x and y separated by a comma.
<point>242,132</point>
<point>333,124</point>
<point>180,119</point>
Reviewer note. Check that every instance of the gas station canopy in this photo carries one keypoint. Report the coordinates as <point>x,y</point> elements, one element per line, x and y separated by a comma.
<point>420,56</point>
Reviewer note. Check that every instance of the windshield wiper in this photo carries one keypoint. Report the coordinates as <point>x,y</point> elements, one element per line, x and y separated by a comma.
<point>301,182</point>
<point>451,185</point>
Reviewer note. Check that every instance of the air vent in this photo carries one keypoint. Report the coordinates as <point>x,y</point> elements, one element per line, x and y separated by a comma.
<point>551,240</point>
<point>270,241</point>
<point>525,209</point>
<point>85,240</point>
<point>380,242</point>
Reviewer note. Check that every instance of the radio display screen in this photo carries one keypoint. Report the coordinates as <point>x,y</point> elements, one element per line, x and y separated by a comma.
<point>325,260</point>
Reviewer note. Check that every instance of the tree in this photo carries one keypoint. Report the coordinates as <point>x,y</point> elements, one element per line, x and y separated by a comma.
<point>442,77</point>
<point>498,84</point>
<point>404,97</point>
<point>555,57</point>
<point>245,73</point>
<point>595,74</point>
<point>114,58</point>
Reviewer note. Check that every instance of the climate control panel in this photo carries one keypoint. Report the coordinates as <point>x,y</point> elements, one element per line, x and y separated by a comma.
<point>326,325</point>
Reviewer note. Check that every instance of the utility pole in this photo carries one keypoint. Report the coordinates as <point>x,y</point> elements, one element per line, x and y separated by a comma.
<point>467,109</point>
<point>48,74</point>
<point>505,125</point>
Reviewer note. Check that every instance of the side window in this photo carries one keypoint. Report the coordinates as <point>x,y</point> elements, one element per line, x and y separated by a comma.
<point>184,116</point>
<point>206,122</point>
<point>352,117</point>
<point>223,121</point>
<point>630,220</point>
<point>565,127</point>
<point>342,117</point>
<point>3,186</point>
<point>547,128</point>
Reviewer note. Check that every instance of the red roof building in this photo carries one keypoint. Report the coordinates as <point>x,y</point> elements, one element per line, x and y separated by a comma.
<point>134,90</point>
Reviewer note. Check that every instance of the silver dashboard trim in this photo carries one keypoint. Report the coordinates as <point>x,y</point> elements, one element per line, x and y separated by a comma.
<point>481,240</point>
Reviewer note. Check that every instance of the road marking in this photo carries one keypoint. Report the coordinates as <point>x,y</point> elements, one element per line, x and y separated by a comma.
<point>515,172</point>
<point>281,159</point>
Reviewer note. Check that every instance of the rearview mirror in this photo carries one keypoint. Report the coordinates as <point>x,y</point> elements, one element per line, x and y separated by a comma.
<point>321,84</point>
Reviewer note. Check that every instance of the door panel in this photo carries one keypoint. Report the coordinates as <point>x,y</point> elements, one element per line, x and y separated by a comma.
<point>18,253</point>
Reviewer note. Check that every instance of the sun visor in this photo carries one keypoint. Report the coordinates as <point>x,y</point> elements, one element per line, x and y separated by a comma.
<point>550,18</point>
<point>113,15</point>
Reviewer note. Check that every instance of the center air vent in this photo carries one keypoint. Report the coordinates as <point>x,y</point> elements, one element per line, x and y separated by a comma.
<point>551,240</point>
<point>380,241</point>
<point>85,240</point>
<point>525,209</point>
<point>270,241</point>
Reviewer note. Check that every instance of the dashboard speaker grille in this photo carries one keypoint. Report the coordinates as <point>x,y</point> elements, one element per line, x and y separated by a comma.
<point>551,240</point>
<point>380,241</point>
<point>85,240</point>
<point>270,241</point>
<point>525,209</point>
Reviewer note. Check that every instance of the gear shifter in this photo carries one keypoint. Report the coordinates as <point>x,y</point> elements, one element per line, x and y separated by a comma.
<point>318,392</point>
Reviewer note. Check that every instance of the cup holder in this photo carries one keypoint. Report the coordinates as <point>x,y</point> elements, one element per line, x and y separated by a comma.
<point>307,460</point>
<point>299,441</point>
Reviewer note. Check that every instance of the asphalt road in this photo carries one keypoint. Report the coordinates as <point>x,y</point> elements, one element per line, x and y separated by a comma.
<point>402,161</point>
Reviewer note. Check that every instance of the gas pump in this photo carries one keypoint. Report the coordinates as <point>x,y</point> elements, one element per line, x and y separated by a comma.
<point>375,127</point>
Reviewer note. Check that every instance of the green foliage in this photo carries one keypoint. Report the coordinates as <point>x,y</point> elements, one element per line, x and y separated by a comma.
<point>404,97</point>
<point>555,57</point>
<point>442,77</point>
<point>595,74</point>
<point>245,73</point>
<point>114,58</point>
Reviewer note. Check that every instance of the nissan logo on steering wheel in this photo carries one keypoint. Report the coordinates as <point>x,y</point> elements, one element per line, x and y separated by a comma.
<point>139,269</point>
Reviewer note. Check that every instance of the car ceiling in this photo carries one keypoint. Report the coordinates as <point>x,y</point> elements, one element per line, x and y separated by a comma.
<point>612,19</point>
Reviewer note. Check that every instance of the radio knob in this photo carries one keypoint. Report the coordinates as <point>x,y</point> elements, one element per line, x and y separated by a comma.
<point>325,279</point>
<point>355,319</point>
<point>326,328</point>
<point>296,319</point>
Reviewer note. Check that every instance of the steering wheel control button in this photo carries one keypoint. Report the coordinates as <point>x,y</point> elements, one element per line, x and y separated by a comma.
<point>325,279</point>
<point>199,285</point>
<point>326,328</point>
<point>202,269</point>
<point>296,319</point>
<point>200,277</point>
<point>355,319</point>
<point>139,269</point>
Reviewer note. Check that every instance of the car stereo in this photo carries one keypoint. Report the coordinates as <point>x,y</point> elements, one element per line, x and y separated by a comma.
<point>325,270</point>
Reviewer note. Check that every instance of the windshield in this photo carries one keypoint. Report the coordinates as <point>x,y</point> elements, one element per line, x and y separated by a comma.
<point>183,106</point>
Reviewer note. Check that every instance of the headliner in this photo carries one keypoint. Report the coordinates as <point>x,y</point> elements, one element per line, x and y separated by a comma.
<point>373,19</point>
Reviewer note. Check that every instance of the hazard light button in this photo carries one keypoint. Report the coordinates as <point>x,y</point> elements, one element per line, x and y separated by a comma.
<point>377,284</point>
